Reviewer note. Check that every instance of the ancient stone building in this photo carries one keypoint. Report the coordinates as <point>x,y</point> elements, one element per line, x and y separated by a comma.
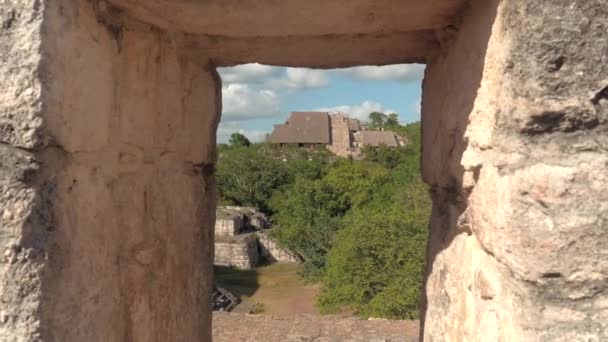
<point>242,239</point>
<point>228,222</point>
<point>335,131</point>
<point>303,129</point>
<point>377,138</point>
<point>108,114</point>
<point>239,251</point>
<point>252,217</point>
<point>341,138</point>
<point>272,252</point>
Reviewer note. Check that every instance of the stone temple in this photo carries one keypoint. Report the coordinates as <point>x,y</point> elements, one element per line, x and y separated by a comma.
<point>108,118</point>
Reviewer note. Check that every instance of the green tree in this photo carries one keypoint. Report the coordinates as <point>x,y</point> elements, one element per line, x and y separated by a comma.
<point>392,120</point>
<point>246,176</point>
<point>355,182</point>
<point>376,264</point>
<point>361,225</point>
<point>379,120</point>
<point>238,140</point>
<point>389,157</point>
<point>307,217</point>
<point>308,214</point>
<point>376,120</point>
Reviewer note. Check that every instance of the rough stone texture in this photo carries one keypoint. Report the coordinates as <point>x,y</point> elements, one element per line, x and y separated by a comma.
<point>236,327</point>
<point>240,251</point>
<point>255,18</point>
<point>229,225</point>
<point>326,51</point>
<point>253,218</point>
<point>271,251</point>
<point>340,135</point>
<point>320,33</point>
<point>107,137</point>
<point>23,209</point>
<point>107,143</point>
<point>514,134</point>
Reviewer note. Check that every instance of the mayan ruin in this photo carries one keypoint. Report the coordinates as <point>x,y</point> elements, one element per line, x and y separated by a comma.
<point>242,239</point>
<point>336,131</point>
<point>109,113</point>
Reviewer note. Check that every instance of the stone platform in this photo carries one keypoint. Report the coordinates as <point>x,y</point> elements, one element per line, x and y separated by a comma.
<point>234,327</point>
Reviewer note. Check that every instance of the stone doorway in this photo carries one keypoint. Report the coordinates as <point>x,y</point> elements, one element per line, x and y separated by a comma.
<point>107,127</point>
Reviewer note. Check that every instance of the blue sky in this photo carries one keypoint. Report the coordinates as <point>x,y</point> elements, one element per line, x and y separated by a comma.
<point>256,96</point>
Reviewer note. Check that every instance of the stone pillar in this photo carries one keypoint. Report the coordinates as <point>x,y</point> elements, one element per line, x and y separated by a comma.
<point>107,202</point>
<point>515,140</point>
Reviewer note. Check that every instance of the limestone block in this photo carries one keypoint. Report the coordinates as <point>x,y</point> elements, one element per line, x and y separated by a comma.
<point>518,232</point>
<point>239,251</point>
<point>228,226</point>
<point>107,196</point>
<point>271,251</point>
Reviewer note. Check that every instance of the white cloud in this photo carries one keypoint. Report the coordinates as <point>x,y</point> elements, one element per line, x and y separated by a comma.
<point>240,101</point>
<point>302,78</point>
<point>274,77</point>
<point>360,111</point>
<point>254,90</point>
<point>397,72</point>
<point>249,73</point>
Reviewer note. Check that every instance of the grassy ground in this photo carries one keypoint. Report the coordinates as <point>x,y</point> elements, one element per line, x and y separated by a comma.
<point>277,287</point>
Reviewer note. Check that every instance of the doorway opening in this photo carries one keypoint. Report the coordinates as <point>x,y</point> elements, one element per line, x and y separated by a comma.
<point>321,206</point>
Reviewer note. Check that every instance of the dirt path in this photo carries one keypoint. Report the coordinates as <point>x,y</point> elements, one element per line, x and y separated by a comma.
<point>278,287</point>
<point>233,327</point>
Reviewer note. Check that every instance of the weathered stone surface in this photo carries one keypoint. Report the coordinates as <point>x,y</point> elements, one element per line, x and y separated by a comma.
<point>107,138</point>
<point>236,327</point>
<point>228,225</point>
<point>241,251</point>
<point>20,44</point>
<point>340,135</point>
<point>312,51</point>
<point>254,18</point>
<point>107,141</point>
<point>271,251</point>
<point>517,249</point>
<point>24,211</point>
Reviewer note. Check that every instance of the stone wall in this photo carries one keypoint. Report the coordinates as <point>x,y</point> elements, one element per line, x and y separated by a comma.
<point>107,137</point>
<point>514,146</point>
<point>22,206</point>
<point>240,251</point>
<point>228,226</point>
<point>340,135</point>
<point>232,326</point>
<point>108,118</point>
<point>271,251</point>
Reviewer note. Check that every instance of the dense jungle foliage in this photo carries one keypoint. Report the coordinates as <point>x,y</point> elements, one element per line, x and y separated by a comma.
<point>360,225</point>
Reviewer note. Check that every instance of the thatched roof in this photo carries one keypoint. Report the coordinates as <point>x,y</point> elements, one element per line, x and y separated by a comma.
<point>302,127</point>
